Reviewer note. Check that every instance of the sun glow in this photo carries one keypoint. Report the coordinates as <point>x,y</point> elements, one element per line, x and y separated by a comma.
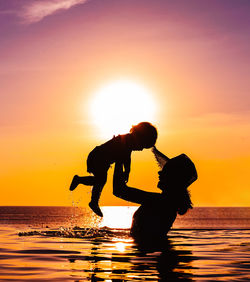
<point>120,246</point>
<point>117,217</point>
<point>121,104</point>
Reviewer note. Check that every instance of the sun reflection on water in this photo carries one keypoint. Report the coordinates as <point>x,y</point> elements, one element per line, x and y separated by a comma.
<point>120,246</point>
<point>117,217</point>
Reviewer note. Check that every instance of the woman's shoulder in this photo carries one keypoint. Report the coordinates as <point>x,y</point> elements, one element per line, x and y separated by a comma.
<point>158,204</point>
<point>158,199</point>
<point>153,219</point>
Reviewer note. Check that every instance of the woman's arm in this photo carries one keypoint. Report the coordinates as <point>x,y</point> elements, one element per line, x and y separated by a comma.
<point>121,190</point>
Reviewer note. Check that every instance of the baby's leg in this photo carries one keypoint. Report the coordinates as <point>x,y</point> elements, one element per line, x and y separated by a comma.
<point>100,180</point>
<point>86,180</point>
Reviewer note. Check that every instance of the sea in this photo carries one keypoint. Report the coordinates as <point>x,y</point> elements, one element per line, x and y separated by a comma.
<point>72,244</point>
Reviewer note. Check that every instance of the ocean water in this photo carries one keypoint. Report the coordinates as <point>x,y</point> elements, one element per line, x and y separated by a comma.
<point>72,244</point>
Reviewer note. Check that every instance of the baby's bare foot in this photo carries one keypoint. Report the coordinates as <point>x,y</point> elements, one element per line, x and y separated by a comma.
<point>95,208</point>
<point>74,183</point>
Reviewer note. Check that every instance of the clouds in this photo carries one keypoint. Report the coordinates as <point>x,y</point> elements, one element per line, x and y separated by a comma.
<point>37,10</point>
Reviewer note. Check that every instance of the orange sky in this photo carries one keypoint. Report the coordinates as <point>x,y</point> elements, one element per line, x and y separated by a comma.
<point>193,58</point>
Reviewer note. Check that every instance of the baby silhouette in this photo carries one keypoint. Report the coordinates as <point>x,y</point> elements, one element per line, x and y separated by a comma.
<point>119,148</point>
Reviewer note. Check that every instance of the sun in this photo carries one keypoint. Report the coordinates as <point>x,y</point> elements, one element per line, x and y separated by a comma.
<point>119,105</point>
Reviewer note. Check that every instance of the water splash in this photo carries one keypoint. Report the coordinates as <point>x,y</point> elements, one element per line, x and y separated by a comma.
<point>90,219</point>
<point>78,232</point>
<point>81,223</point>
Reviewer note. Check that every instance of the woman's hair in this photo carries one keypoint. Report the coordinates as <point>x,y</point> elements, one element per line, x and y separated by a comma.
<point>182,173</point>
<point>184,202</point>
<point>145,133</point>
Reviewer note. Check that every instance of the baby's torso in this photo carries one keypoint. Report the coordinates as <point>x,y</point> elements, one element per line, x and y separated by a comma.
<point>115,149</point>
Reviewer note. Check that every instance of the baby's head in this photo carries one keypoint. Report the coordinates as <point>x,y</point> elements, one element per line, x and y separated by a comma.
<point>144,136</point>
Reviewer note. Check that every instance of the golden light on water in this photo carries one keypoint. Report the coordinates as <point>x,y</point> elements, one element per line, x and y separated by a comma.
<point>121,104</point>
<point>117,217</point>
<point>120,246</point>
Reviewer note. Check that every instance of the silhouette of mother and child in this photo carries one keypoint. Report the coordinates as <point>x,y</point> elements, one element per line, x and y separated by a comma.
<point>157,211</point>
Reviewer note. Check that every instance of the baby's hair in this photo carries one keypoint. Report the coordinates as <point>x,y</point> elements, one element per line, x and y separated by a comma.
<point>146,133</point>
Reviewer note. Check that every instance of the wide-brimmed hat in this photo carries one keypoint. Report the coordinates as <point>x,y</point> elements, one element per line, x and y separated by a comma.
<point>180,165</point>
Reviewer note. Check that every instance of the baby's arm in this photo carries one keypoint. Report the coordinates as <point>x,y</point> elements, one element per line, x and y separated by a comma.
<point>127,164</point>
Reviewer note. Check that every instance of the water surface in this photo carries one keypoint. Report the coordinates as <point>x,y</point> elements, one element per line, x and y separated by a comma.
<point>71,244</point>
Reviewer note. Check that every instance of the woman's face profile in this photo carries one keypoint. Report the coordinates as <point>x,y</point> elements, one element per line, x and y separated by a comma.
<point>163,179</point>
<point>167,177</point>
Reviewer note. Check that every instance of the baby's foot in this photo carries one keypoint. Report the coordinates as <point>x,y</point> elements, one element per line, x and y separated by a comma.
<point>95,208</point>
<point>74,183</point>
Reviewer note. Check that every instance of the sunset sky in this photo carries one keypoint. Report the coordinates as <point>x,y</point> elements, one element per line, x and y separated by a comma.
<point>191,58</point>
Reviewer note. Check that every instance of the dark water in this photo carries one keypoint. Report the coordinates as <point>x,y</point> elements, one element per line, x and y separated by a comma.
<point>71,244</point>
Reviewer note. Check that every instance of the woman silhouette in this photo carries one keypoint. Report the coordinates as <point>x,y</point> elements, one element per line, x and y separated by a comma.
<point>153,219</point>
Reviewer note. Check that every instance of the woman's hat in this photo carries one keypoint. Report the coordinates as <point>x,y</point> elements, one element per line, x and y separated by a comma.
<point>181,163</point>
